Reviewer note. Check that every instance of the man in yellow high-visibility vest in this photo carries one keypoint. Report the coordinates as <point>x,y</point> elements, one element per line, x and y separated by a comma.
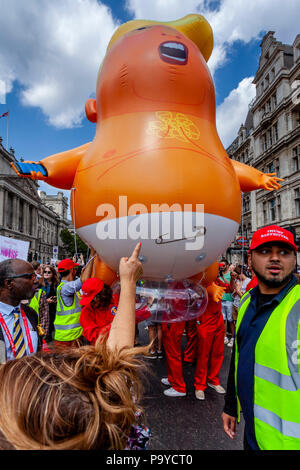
<point>68,330</point>
<point>264,376</point>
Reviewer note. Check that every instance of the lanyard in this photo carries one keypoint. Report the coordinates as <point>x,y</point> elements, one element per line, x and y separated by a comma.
<point>9,337</point>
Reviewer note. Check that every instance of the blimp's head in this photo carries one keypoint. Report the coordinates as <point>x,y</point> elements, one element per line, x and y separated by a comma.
<point>157,162</point>
<point>148,62</point>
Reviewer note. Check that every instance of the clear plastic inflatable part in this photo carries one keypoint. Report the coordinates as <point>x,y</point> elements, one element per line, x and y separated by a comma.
<point>168,302</point>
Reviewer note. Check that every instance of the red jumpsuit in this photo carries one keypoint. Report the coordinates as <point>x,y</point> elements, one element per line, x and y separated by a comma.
<point>96,322</point>
<point>210,352</point>
<point>172,338</point>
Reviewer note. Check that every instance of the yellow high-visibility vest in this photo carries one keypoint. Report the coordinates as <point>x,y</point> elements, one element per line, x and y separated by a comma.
<point>276,374</point>
<point>66,323</point>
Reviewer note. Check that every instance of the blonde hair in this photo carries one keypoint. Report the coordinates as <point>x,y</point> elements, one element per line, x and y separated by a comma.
<point>85,398</point>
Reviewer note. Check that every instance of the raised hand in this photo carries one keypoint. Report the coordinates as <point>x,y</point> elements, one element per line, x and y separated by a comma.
<point>131,269</point>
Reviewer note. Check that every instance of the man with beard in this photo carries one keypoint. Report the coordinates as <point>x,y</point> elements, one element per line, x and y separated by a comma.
<point>264,376</point>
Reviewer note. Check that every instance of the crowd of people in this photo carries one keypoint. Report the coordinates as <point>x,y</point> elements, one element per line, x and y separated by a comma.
<point>71,362</point>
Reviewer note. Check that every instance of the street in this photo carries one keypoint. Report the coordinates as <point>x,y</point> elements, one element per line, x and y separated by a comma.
<point>185,423</point>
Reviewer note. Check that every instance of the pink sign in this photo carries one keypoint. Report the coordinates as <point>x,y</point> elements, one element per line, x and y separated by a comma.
<point>11,248</point>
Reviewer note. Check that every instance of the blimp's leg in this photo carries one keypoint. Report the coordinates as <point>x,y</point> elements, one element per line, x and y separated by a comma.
<point>102,271</point>
<point>207,279</point>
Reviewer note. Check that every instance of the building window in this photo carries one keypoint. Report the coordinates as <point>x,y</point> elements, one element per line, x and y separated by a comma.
<point>265,213</point>
<point>21,209</point>
<point>277,167</point>
<point>295,164</point>
<point>31,220</point>
<point>272,73</point>
<point>268,106</point>
<point>270,140</point>
<point>297,201</point>
<point>279,207</point>
<point>265,144</point>
<point>267,80</point>
<point>274,101</point>
<point>9,210</point>
<point>272,210</point>
<point>275,132</point>
<point>295,159</point>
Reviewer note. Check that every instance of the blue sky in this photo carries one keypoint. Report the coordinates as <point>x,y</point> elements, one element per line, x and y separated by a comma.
<point>51,50</point>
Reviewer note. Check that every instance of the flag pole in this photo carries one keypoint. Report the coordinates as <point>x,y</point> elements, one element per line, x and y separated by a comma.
<point>7,130</point>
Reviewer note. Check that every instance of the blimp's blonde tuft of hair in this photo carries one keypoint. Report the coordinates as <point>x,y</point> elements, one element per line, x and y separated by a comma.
<point>194,26</point>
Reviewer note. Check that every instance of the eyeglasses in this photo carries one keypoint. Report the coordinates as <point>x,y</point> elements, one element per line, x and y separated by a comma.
<point>47,272</point>
<point>27,275</point>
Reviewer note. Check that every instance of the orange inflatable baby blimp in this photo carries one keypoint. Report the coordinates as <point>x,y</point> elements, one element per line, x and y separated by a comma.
<point>156,170</point>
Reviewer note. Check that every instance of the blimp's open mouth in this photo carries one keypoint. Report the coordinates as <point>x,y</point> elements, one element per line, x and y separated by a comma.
<point>173,53</point>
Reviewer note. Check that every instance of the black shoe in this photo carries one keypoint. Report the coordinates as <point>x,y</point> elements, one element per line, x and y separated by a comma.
<point>188,363</point>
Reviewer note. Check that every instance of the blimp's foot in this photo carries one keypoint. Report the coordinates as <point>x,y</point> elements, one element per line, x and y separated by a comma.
<point>103,272</point>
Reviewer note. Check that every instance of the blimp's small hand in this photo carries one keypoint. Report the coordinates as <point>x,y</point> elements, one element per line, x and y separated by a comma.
<point>215,292</point>
<point>30,169</point>
<point>37,175</point>
<point>270,181</point>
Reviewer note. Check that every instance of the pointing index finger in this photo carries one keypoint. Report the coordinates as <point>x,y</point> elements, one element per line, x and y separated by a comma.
<point>136,251</point>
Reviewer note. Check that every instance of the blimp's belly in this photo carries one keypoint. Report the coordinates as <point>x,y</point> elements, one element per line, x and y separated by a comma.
<point>175,245</point>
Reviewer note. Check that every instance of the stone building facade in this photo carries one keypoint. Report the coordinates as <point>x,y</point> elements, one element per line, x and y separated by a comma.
<point>24,214</point>
<point>57,203</point>
<point>269,140</point>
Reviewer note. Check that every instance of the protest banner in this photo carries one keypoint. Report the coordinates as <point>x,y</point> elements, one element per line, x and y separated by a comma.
<point>10,248</point>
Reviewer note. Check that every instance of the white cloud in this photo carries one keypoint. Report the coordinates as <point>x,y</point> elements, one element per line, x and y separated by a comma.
<point>233,20</point>
<point>233,111</point>
<point>54,49</point>
<point>162,10</point>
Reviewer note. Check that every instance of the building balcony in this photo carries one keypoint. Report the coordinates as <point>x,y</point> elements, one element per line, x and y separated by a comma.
<point>266,119</point>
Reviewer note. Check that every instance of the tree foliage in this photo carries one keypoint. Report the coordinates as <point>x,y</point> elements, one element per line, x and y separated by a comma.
<point>68,240</point>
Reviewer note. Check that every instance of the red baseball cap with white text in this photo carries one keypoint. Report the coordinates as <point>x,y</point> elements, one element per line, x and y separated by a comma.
<point>272,233</point>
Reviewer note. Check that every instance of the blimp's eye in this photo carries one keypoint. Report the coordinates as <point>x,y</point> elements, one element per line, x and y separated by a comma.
<point>143,27</point>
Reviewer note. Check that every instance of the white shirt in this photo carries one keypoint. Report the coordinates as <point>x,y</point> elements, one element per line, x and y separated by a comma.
<point>243,286</point>
<point>6,312</point>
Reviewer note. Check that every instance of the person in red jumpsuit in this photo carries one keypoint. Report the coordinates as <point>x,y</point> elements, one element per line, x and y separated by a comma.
<point>205,345</point>
<point>99,308</point>
<point>210,352</point>
<point>172,338</point>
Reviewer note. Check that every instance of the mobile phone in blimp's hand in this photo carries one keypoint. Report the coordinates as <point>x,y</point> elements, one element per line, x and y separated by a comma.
<point>27,168</point>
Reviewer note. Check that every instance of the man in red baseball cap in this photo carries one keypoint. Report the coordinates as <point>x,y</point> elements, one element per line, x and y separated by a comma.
<point>66,265</point>
<point>264,371</point>
<point>270,240</point>
<point>99,306</point>
<point>68,330</point>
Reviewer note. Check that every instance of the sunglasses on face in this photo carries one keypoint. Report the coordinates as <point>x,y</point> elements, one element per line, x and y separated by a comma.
<point>26,275</point>
<point>47,272</point>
